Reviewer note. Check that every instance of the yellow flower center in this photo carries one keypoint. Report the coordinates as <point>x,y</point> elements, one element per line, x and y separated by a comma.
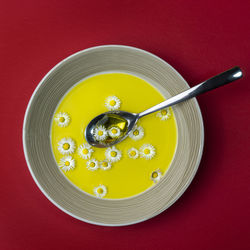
<point>62,119</point>
<point>67,163</point>
<point>85,151</point>
<point>136,132</point>
<point>100,191</point>
<point>92,164</point>
<point>146,151</point>
<point>132,153</point>
<point>100,133</point>
<point>154,174</point>
<point>104,164</point>
<point>114,131</point>
<point>113,154</point>
<point>112,102</point>
<point>66,146</point>
<point>163,112</point>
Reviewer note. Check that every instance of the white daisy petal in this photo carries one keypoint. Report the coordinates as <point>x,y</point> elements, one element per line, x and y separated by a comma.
<point>105,164</point>
<point>136,133</point>
<point>66,146</point>
<point>164,114</point>
<point>156,175</point>
<point>85,151</point>
<point>113,154</point>
<point>133,153</point>
<point>67,163</point>
<point>147,151</point>
<point>100,191</point>
<point>112,103</point>
<point>92,164</point>
<point>114,132</point>
<point>100,133</point>
<point>62,119</point>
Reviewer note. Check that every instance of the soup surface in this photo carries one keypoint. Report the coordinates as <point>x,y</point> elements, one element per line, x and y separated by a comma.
<point>133,165</point>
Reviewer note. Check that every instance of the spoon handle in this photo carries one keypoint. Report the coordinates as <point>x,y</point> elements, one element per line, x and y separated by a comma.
<point>212,83</point>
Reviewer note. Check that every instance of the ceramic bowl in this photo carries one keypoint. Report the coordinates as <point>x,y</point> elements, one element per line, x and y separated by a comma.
<point>37,144</point>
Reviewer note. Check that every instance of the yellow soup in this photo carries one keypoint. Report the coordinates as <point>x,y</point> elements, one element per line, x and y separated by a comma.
<point>127,176</point>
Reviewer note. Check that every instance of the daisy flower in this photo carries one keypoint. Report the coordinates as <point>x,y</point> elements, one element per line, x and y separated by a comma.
<point>136,133</point>
<point>156,175</point>
<point>164,114</point>
<point>62,119</point>
<point>133,153</point>
<point>113,154</point>
<point>85,151</point>
<point>147,151</point>
<point>67,163</point>
<point>100,133</point>
<point>92,164</point>
<point>66,146</point>
<point>114,132</point>
<point>105,164</point>
<point>112,103</point>
<point>100,191</point>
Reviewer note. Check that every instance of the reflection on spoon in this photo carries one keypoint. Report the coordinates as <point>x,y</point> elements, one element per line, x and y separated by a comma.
<point>109,128</point>
<point>123,121</point>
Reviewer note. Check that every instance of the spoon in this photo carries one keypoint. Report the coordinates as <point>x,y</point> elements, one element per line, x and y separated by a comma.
<point>125,121</point>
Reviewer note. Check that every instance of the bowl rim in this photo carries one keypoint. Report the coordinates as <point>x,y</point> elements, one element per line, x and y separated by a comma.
<point>26,153</point>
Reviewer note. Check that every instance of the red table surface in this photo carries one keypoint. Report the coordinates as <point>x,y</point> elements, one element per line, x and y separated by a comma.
<point>199,39</point>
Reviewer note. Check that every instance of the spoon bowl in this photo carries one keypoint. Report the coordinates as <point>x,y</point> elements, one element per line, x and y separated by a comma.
<point>103,120</point>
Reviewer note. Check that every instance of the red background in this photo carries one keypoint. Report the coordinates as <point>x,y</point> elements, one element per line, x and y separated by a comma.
<point>199,39</point>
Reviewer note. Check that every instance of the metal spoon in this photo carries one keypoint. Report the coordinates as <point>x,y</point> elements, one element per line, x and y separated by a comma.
<point>128,120</point>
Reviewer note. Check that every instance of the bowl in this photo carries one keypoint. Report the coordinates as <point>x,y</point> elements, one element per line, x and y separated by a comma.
<point>38,151</point>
